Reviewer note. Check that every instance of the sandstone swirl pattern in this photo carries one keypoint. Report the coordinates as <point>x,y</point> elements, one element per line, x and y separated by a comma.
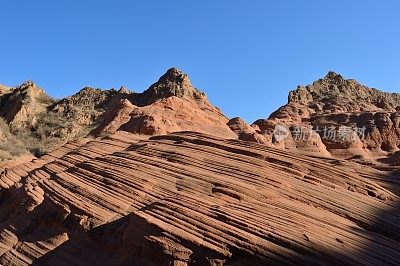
<point>189,198</point>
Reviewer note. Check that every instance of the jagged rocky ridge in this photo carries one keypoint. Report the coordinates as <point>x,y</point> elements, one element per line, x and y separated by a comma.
<point>142,188</point>
<point>41,124</point>
<point>347,120</point>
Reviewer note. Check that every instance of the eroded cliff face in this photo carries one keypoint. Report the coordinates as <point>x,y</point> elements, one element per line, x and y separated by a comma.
<point>337,117</point>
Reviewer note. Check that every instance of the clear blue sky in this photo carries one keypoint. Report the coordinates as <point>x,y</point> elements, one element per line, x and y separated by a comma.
<point>246,55</point>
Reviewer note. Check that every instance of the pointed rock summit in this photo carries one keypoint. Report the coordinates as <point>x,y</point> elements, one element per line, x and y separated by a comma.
<point>171,104</point>
<point>21,105</point>
<point>334,77</point>
<point>173,83</point>
<point>174,75</point>
<point>124,90</point>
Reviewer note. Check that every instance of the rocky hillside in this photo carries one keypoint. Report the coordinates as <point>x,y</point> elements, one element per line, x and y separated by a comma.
<point>40,124</point>
<point>170,105</point>
<point>333,93</point>
<point>335,117</point>
<point>331,117</point>
<point>162,177</point>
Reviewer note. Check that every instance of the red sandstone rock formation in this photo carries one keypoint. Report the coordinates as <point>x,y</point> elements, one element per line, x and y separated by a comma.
<point>144,189</point>
<point>334,103</point>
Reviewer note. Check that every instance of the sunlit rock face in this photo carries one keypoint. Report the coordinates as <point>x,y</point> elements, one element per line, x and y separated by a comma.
<point>38,124</point>
<point>194,199</point>
<point>332,105</point>
<point>164,178</point>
